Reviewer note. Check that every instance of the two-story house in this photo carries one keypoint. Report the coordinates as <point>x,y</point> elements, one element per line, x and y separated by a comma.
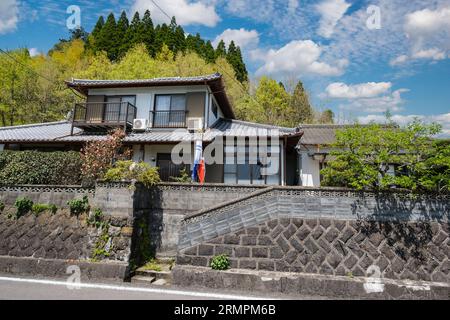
<point>158,116</point>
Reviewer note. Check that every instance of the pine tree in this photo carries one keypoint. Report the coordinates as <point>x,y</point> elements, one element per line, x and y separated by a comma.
<point>122,27</point>
<point>234,57</point>
<point>98,26</point>
<point>147,33</point>
<point>107,40</point>
<point>301,109</point>
<point>208,52</point>
<point>132,34</point>
<point>180,40</point>
<point>326,117</point>
<point>221,50</point>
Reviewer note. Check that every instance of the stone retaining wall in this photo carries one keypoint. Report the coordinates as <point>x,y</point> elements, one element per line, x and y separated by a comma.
<point>56,240</point>
<point>323,231</point>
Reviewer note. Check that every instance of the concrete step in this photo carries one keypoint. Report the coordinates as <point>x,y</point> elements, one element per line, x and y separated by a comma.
<point>143,280</point>
<point>156,275</point>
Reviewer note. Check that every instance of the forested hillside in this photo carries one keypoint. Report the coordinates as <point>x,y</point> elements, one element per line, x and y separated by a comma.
<point>32,89</point>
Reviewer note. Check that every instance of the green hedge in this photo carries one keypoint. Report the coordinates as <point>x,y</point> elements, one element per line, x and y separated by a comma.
<point>35,167</point>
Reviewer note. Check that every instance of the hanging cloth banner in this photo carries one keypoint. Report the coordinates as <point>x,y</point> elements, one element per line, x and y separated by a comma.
<point>197,157</point>
<point>201,171</point>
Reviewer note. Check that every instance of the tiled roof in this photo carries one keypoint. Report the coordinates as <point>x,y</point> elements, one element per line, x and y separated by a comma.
<point>320,133</point>
<point>139,82</point>
<point>41,132</point>
<point>60,132</point>
<point>214,81</point>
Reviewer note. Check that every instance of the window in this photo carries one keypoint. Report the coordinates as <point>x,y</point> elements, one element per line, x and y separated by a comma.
<point>170,110</point>
<point>214,108</point>
<point>116,107</point>
<point>248,171</point>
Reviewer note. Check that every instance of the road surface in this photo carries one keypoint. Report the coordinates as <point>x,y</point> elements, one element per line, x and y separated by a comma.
<point>13,287</point>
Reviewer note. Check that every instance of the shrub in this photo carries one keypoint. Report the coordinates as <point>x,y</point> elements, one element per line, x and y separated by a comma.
<point>220,262</point>
<point>95,219</point>
<point>97,156</point>
<point>78,206</point>
<point>23,206</point>
<point>36,167</point>
<point>129,170</point>
<point>38,208</point>
<point>182,177</point>
<point>2,206</point>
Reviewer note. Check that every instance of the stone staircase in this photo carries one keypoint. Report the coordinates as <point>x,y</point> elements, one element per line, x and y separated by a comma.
<point>145,276</point>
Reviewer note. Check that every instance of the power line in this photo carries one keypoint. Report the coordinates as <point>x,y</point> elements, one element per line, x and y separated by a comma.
<point>34,71</point>
<point>223,70</point>
<point>25,66</point>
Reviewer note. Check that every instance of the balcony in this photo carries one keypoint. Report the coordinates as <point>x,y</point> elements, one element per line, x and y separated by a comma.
<point>104,115</point>
<point>169,119</point>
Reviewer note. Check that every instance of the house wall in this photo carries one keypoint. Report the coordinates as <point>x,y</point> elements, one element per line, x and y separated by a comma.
<point>197,103</point>
<point>309,171</point>
<point>2,147</point>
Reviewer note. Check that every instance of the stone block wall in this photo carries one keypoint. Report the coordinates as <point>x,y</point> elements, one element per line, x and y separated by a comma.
<point>331,232</point>
<point>61,238</point>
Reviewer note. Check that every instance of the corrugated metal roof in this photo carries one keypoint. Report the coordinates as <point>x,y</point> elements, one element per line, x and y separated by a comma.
<point>231,127</point>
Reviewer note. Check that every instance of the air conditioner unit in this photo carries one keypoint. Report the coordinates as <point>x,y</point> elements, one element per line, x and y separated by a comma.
<point>139,124</point>
<point>195,124</point>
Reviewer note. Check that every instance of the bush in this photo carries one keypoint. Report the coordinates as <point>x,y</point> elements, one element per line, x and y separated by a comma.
<point>2,206</point>
<point>95,219</point>
<point>35,167</point>
<point>129,170</point>
<point>78,206</point>
<point>220,262</point>
<point>23,206</point>
<point>38,208</point>
<point>184,176</point>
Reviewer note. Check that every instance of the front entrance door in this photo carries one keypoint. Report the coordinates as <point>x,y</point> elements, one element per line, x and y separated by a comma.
<point>167,168</point>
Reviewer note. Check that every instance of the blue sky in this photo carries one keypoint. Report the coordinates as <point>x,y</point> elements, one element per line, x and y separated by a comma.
<point>359,58</point>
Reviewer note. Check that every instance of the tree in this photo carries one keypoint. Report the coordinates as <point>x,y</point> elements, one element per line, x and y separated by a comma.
<point>363,155</point>
<point>221,50</point>
<point>300,107</point>
<point>234,57</point>
<point>326,116</point>
<point>147,33</point>
<point>107,38</point>
<point>98,156</point>
<point>121,30</point>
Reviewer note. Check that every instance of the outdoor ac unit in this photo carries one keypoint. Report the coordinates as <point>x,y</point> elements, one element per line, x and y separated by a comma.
<point>195,124</point>
<point>139,124</point>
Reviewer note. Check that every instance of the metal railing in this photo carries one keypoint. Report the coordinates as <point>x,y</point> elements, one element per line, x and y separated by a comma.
<point>169,119</point>
<point>121,113</point>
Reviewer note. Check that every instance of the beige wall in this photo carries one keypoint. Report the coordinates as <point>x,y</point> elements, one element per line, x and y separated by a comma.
<point>195,105</point>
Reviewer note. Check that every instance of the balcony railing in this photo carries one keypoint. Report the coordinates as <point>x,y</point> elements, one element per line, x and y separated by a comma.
<point>104,114</point>
<point>169,119</point>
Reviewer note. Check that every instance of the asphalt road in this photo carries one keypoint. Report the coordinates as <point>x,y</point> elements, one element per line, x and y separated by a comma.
<point>13,288</point>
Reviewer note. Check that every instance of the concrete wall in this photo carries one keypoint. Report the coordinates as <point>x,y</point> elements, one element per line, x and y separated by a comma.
<point>167,205</point>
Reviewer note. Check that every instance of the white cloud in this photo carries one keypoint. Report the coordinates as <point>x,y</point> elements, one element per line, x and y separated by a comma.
<point>429,54</point>
<point>443,119</point>
<point>300,57</point>
<point>433,53</point>
<point>33,52</point>
<point>426,21</point>
<point>392,102</point>
<point>331,12</point>
<point>241,37</point>
<point>363,90</point>
<point>186,12</point>
<point>401,59</point>
<point>9,15</point>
